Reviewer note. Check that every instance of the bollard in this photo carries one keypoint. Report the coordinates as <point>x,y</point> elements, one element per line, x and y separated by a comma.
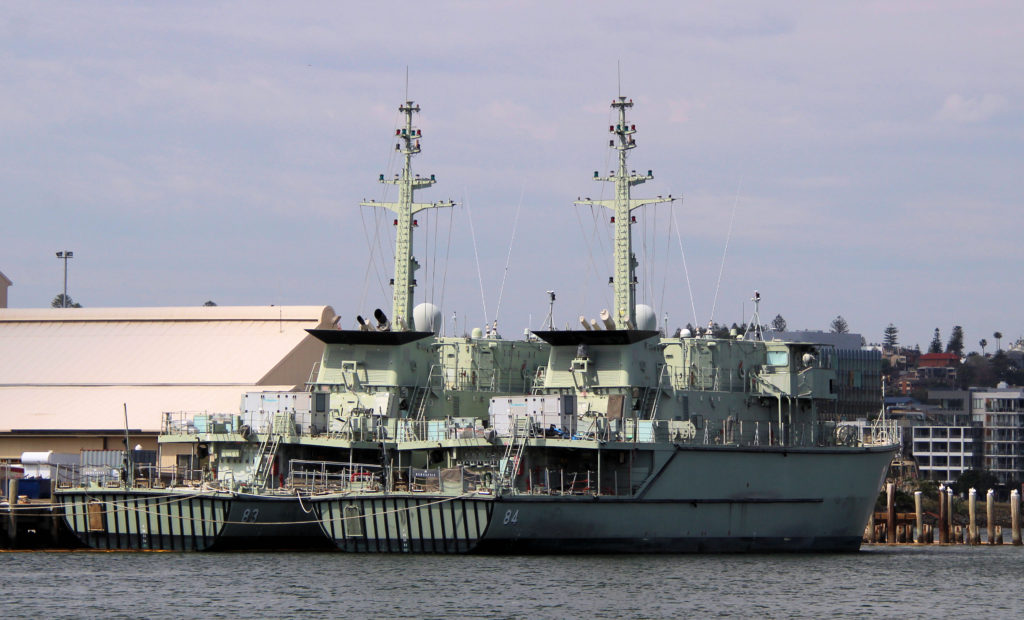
<point>990,531</point>
<point>920,520</point>
<point>1015,517</point>
<point>890,512</point>
<point>943,520</point>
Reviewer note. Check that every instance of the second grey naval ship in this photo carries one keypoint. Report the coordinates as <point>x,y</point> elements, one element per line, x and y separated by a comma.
<point>611,438</point>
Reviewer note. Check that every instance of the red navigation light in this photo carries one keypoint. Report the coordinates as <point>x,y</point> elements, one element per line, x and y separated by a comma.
<point>396,222</point>
<point>632,127</point>
<point>633,219</point>
<point>416,223</point>
<point>611,127</point>
<point>398,132</point>
<point>613,219</point>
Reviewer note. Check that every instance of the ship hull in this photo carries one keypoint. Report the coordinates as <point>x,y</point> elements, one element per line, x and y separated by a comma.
<point>708,500</point>
<point>179,520</point>
<point>405,523</point>
<point>702,500</point>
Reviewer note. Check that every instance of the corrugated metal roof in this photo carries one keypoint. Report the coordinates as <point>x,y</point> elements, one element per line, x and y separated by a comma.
<point>75,368</point>
<point>150,346</point>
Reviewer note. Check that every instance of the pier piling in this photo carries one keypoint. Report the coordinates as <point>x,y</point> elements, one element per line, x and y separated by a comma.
<point>990,531</point>
<point>972,516</point>
<point>943,519</point>
<point>949,507</point>
<point>1015,517</point>
<point>919,538</point>
<point>890,512</point>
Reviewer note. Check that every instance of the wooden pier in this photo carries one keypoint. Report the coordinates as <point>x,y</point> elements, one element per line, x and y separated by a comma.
<point>891,527</point>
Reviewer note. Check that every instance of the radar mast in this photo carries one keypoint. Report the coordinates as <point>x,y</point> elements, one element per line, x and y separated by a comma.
<point>624,279</point>
<point>405,263</point>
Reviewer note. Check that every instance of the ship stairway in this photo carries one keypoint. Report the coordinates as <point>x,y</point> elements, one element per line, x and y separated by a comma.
<point>514,451</point>
<point>265,458</point>
<point>313,374</point>
<point>434,377</point>
<point>652,395</point>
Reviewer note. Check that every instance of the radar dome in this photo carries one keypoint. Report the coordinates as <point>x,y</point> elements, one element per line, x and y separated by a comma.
<point>426,318</point>
<point>645,318</point>
<point>477,333</point>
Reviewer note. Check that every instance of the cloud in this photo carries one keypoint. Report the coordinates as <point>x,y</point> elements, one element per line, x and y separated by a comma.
<point>960,109</point>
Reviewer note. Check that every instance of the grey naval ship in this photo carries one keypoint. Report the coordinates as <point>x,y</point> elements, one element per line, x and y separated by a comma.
<point>611,438</point>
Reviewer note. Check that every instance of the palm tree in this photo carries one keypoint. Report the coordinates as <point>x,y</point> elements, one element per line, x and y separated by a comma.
<point>983,343</point>
<point>998,336</point>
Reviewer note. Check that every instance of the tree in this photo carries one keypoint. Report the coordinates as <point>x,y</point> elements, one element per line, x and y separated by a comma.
<point>891,338</point>
<point>210,303</point>
<point>956,341</point>
<point>978,479</point>
<point>779,323</point>
<point>983,343</point>
<point>840,326</point>
<point>58,302</point>
<point>936,345</point>
<point>1002,367</point>
<point>998,336</point>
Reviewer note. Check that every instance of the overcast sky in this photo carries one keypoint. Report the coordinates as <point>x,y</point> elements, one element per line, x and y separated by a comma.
<point>860,158</point>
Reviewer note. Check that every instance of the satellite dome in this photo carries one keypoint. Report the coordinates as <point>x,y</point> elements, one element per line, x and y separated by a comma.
<point>426,318</point>
<point>645,319</point>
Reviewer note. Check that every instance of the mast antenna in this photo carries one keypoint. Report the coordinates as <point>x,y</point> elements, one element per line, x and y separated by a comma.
<point>405,264</point>
<point>754,327</point>
<point>624,279</point>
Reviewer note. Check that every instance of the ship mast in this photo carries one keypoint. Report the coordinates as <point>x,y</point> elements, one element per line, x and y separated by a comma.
<point>624,279</point>
<point>405,263</point>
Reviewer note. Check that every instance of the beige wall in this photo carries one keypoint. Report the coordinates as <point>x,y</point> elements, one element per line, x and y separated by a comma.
<point>13,444</point>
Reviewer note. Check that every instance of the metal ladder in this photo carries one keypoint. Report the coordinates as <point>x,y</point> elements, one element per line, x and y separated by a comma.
<point>265,458</point>
<point>520,435</point>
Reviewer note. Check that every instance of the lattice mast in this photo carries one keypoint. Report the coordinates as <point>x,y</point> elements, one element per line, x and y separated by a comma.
<point>624,279</point>
<point>405,263</point>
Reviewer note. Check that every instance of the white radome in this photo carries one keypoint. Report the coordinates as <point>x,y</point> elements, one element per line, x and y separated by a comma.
<point>645,318</point>
<point>426,317</point>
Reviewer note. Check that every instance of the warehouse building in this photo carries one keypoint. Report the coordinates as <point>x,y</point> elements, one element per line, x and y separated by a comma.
<point>70,377</point>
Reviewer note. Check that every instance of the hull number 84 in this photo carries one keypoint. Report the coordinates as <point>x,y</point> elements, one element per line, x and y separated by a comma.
<point>511,517</point>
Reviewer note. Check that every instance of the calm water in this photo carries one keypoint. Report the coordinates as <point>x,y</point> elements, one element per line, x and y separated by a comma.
<point>880,582</point>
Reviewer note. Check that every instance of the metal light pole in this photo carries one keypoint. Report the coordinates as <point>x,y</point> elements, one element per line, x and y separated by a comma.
<point>65,255</point>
